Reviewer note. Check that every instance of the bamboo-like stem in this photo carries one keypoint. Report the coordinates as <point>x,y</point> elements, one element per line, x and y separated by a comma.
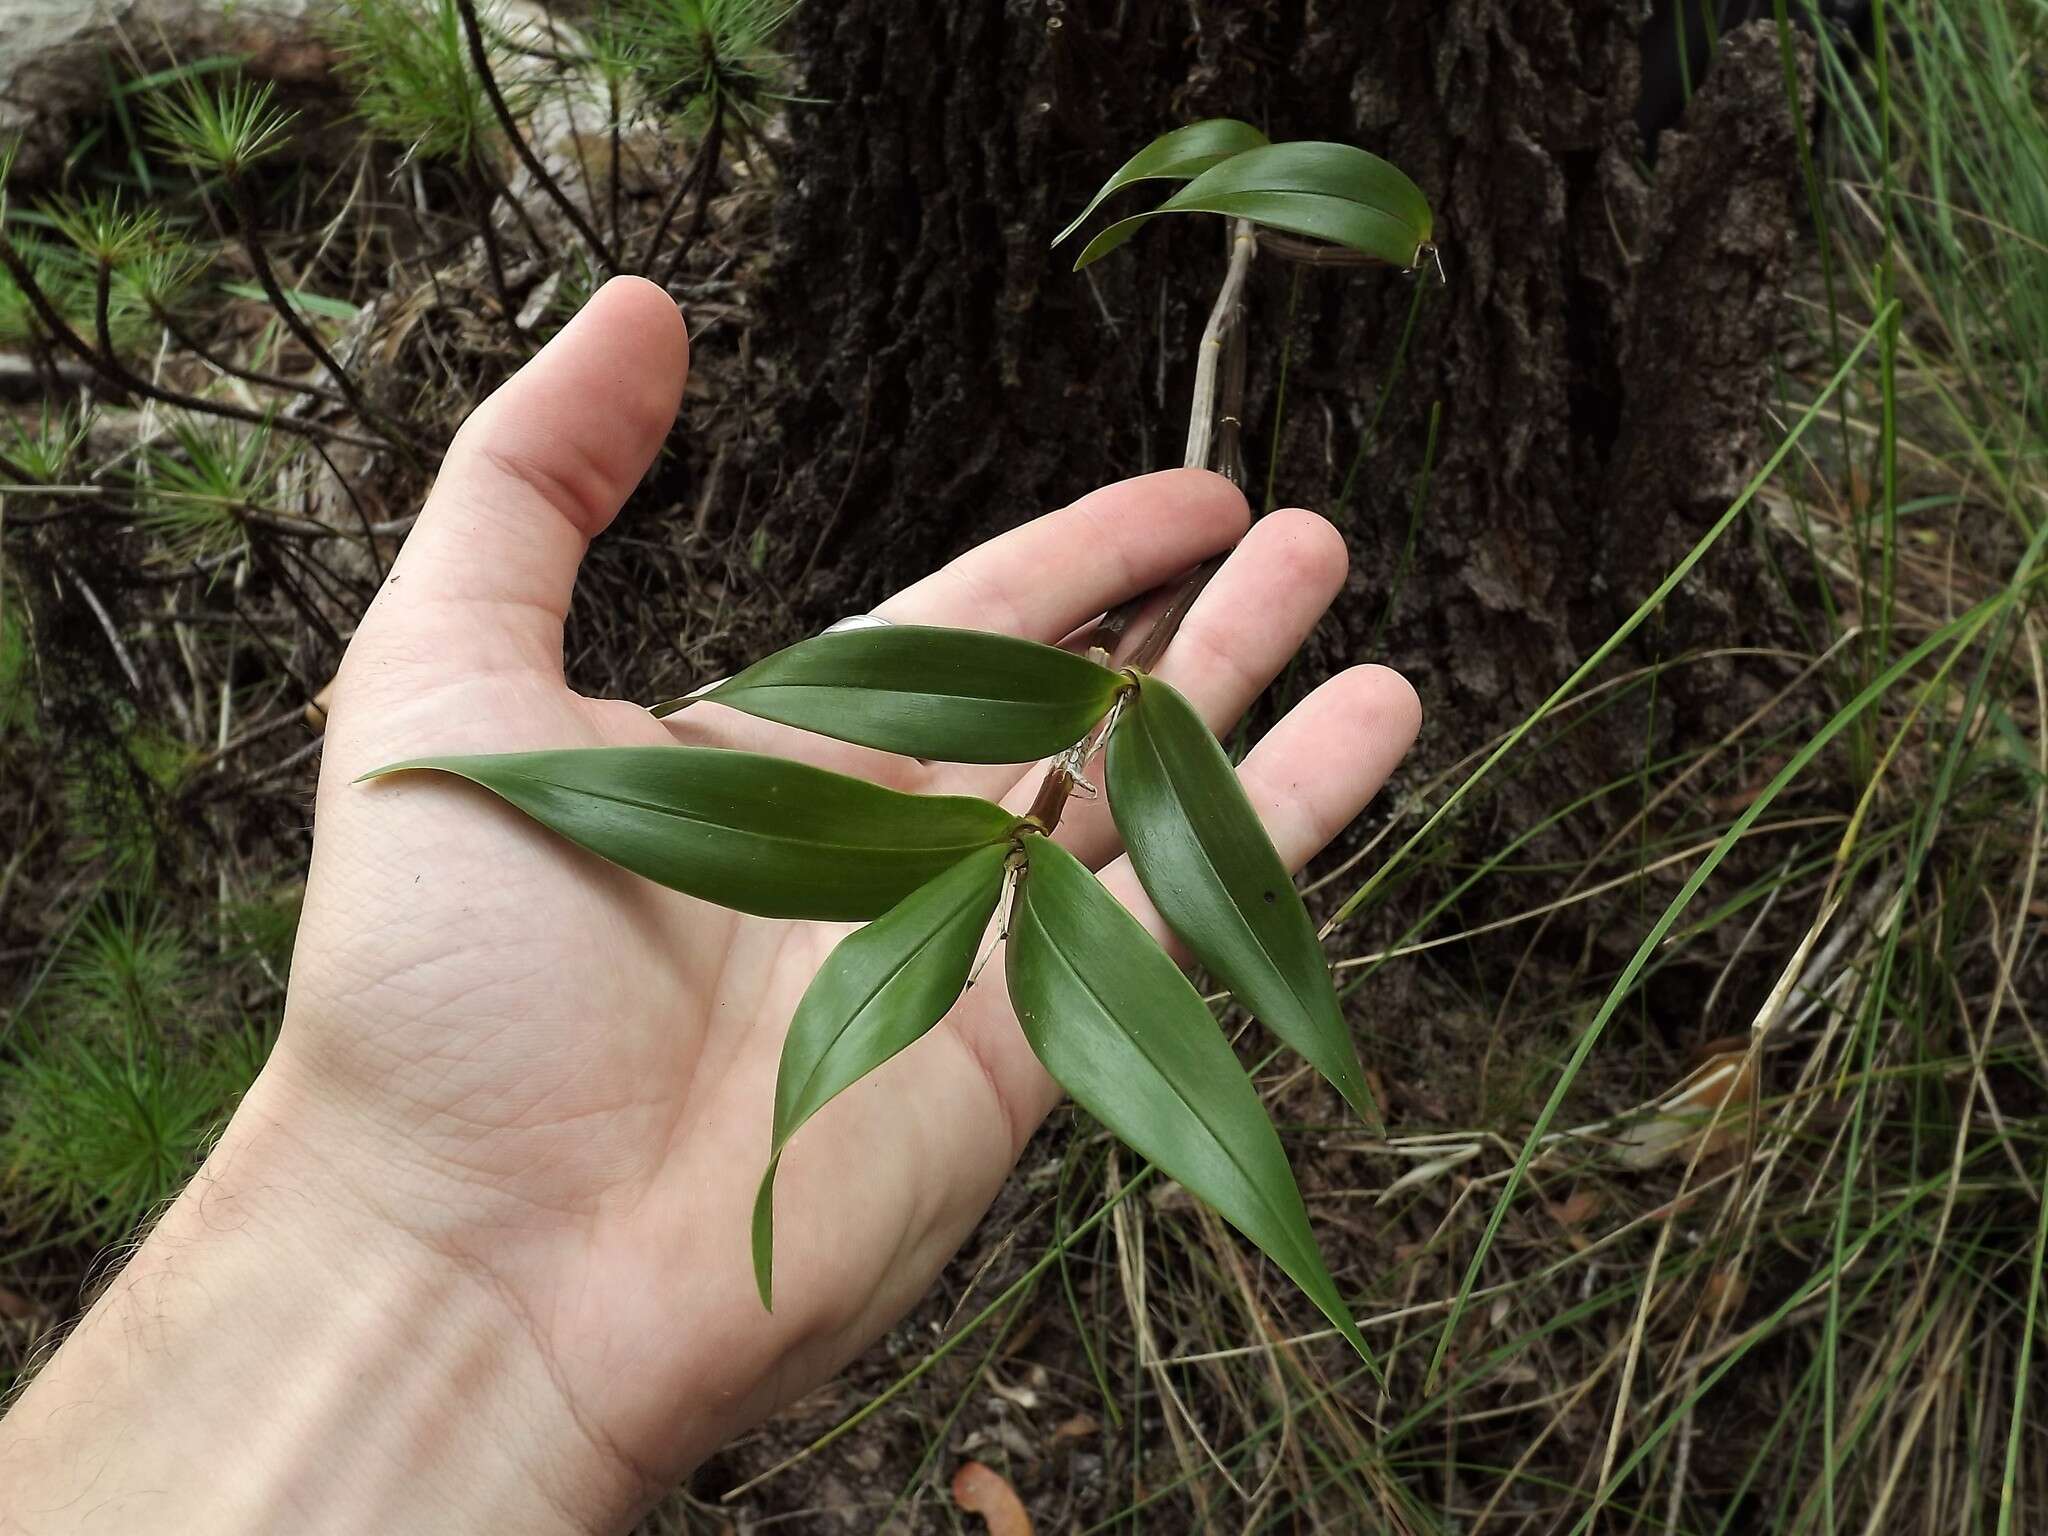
<point>1224,328</point>
<point>1202,410</point>
<point>1223,314</point>
<point>480,58</point>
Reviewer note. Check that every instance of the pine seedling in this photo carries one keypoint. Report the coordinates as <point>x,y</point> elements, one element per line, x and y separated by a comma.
<point>158,278</point>
<point>228,130</point>
<point>46,448</point>
<point>409,67</point>
<point>125,968</point>
<point>197,498</point>
<point>102,231</point>
<point>714,63</point>
<point>221,131</point>
<point>107,1102</point>
<point>704,53</point>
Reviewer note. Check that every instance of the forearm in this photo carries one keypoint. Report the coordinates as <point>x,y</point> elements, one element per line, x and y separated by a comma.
<point>277,1357</point>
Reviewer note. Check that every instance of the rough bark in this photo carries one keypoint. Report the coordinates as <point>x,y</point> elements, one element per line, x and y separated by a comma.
<point>1601,348</point>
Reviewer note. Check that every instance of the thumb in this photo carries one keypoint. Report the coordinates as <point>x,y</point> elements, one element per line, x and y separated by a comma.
<point>537,471</point>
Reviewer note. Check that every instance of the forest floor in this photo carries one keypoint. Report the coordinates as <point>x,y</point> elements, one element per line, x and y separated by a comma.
<point>1775,1266</point>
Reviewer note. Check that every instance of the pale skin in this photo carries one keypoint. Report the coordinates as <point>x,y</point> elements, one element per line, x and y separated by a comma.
<point>472,1255</point>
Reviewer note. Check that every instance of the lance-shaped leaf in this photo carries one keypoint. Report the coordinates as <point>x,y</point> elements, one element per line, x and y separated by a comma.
<point>1120,1029</point>
<point>954,695</point>
<point>1216,878</point>
<point>1331,192</point>
<point>1177,156</point>
<point>882,988</point>
<point>758,834</point>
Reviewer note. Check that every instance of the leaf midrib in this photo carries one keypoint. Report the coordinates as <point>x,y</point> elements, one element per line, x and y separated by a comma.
<point>769,837</point>
<point>918,693</point>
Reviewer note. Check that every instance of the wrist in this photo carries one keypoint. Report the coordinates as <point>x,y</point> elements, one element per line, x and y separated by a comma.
<point>280,1355</point>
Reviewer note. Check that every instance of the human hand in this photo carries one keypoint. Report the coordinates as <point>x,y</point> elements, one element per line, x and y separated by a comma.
<point>536,1090</point>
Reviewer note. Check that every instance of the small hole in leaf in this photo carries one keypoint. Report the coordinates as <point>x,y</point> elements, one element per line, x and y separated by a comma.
<point>1271,898</point>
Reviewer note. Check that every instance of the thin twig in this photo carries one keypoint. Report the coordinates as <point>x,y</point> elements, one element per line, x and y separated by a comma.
<point>107,628</point>
<point>698,162</point>
<point>707,178</point>
<point>494,261</point>
<point>362,514</point>
<point>117,374</point>
<point>266,277</point>
<point>214,360</point>
<point>480,57</point>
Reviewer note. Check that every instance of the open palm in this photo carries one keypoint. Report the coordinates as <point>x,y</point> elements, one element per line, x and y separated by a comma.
<point>562,1076</point>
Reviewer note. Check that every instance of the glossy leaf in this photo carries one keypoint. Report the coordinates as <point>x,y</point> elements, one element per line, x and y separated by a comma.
<point>758,834</point>
<point>1331,192</point>
<point>1120,1029</point>
<point>1177,156</point>
<point>953,695</point>
<point>1214,875</point>
<point>882,988</point>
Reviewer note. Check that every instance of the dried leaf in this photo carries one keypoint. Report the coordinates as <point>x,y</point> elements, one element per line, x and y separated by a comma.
<point>1577,1208</point>
<point>1724,1293</point>
<point>981,1490</point>
<point>1725,1082</point>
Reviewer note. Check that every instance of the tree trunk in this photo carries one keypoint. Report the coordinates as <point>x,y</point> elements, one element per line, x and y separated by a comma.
<point>1600,346</point>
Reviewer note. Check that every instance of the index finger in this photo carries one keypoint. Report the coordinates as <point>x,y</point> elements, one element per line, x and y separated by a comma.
<point>1044,580</point>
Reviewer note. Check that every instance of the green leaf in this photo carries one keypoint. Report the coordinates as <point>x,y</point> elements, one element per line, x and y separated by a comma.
<point>1176,156</point>
<point>953,695</point>
<point>1331,192</point>
<point>758,834</point>
<point>1214,875</point>
<point>1120,1029</point>
<point>313,303</point>
<point>882,988</point>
